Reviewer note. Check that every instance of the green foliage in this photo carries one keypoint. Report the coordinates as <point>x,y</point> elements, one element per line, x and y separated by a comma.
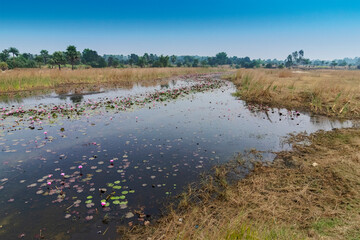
<point>221,58</point>
<point>59,58</point>
<point>45,56</point>
<point>39,60</point>
<point>72,55</point>
<point>269,65</point>
<point>3,66</point>
<point>173,59</point>
<point>4,55</point>
<point>13,51</point>
<point>289,61</point>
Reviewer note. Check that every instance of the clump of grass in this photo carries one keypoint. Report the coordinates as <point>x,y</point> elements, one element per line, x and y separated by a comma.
<point>285,74</point>
<point>31,79</point>
<point>291,199</point>
<point>328,92</point>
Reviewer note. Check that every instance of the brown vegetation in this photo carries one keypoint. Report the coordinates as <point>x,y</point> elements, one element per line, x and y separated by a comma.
<point>328,92</point>
<point>32,79</point>
<point>312,192</point>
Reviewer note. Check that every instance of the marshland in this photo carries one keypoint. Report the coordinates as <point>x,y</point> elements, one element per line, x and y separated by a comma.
<point>166,120</point>
<point>180,154</point>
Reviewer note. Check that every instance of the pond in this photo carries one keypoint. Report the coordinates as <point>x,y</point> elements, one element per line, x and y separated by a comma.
<point>75,166</point>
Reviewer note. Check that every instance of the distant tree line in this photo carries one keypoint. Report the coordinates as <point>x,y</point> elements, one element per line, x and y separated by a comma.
<point>11,58</point>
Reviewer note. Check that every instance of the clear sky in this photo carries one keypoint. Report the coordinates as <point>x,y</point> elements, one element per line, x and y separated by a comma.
<point>324,29</point>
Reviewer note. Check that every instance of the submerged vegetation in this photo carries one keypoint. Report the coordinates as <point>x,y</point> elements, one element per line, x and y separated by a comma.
<point>311,192</point>
<point>328,92</point>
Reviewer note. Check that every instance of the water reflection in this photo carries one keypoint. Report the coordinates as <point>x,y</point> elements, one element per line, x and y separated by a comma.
<point>131,160</point>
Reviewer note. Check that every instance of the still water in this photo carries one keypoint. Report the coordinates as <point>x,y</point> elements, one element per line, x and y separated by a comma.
<point>127,152</point>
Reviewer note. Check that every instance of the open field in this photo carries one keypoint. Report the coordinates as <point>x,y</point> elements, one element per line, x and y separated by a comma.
<point>311,192</point>
<point>35,79</point>
<point>328,92</point>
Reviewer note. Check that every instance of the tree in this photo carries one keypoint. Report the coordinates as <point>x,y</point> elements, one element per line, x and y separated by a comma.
<point>39,60</point>
<point>164,61</point>
<point>133,59</point>
<point>204,62</point>
<point>45,55</point>
<point>141,62</point>
<point>14,51</point>
<point>289,61</point>
<point>115,62</point>
<point>342,63</point>
<point>173,59</point>
<point>101,62</point>
<point>72,55</point>
<point>333,64</point>
<point>4,55</point>
<point>269,65</point>
<point>59,58</point>
<point>301,53</point>
<point>110,61</point>
<point>90,57</point>
<point>221,58</point>
<point>295,56</point>
<point>51,62</point>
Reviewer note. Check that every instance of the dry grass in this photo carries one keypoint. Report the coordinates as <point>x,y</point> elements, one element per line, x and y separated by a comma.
<point>33,79</point>
<point>312,192</point>
<point>328,92</point>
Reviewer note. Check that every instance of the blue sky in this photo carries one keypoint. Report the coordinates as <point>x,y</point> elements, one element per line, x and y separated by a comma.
<point>258,29</point>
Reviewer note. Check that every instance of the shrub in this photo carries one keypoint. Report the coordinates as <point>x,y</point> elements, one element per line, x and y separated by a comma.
<point>3,66</point>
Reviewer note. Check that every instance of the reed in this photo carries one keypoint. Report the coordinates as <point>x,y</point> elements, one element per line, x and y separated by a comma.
<point>35,79</point>
<point>328,92</point>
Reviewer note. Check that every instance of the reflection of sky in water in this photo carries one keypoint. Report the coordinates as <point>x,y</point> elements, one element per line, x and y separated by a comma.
<point>71,97</point>
<point>165,149</point>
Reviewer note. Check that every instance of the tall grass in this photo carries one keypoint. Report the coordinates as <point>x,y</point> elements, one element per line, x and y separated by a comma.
<point>31,79</point>
<point>330,92</point>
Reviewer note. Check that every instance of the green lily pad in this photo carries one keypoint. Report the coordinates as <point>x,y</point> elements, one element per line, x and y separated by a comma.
<point>124,192</point>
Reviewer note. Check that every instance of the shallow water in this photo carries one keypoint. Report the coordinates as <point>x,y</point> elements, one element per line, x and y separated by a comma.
<point>156,148</point>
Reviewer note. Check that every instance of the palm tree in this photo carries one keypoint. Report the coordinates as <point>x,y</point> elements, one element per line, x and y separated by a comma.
<point>45,55</point>
<point>14,51</point>
<point>72,55</point>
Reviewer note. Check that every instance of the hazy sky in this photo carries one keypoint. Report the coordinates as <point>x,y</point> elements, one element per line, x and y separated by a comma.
<point>324,29</point>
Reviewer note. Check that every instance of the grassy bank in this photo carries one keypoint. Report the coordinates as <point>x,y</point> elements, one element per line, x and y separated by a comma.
<point>312,192</point>
<point>327,92</point>
<point>34,79</point>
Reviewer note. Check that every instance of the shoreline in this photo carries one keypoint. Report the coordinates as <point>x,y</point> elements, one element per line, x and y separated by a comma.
<point>305,193</point>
